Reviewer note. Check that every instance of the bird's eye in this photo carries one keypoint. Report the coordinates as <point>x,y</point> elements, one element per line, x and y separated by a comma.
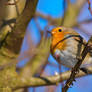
<point>60,30</point>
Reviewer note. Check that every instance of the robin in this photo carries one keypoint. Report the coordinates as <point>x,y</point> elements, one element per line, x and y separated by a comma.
<point>66,46</point>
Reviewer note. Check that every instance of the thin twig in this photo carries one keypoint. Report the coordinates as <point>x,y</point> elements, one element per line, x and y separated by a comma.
<point>64,3</point>
<point>89,7</point>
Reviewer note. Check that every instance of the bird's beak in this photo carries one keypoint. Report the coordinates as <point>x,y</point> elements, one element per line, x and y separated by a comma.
<point>51,32</point>
<point>48,32</point>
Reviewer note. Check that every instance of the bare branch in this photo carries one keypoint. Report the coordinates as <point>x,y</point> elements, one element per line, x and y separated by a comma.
<point>46,81</point>
<point>89,7</point>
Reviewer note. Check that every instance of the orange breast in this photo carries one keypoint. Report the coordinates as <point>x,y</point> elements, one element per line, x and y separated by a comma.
<point>56,44</point>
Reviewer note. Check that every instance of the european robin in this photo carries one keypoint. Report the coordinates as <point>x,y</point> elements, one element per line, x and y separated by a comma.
<point>66,46</point>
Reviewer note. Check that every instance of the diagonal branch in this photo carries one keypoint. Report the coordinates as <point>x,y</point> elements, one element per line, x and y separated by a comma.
<point>19,30</point>
<point>77,66</point>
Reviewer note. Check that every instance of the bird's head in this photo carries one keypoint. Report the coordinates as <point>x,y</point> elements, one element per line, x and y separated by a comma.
<point>58,34</point>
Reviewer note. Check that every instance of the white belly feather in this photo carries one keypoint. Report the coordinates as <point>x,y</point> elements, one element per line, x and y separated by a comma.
<point>68,56</point>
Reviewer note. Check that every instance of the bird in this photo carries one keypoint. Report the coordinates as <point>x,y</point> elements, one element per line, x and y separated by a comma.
<point>66,46</point>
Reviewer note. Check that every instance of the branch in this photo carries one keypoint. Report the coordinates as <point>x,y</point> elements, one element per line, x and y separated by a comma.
<point>9,17</point>
<point>51,20</point>
<point>64,6</point>
<point>57,21</point>
<point>89,7</point>
<point>72,13</point>
<point>38,61</point>
<point>45,81</point>
<point>17,35</point>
